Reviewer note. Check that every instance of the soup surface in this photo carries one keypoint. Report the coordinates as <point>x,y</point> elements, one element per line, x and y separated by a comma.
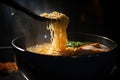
<point>87,48</point>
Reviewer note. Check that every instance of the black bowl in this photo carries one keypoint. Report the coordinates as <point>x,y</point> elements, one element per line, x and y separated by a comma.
<point>91,66</point>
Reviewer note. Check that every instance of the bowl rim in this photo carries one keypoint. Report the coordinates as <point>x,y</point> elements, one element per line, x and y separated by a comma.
<point>84,55</point>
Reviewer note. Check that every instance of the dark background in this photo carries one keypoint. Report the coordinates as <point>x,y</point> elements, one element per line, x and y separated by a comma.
<point>99,17</point>
<point>91,16</point>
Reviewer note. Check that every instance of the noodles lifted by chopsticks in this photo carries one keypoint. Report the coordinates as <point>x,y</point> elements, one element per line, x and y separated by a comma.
<point>57,30</point>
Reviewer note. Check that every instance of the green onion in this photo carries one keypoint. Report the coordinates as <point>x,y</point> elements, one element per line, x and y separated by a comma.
<point>76,43</point>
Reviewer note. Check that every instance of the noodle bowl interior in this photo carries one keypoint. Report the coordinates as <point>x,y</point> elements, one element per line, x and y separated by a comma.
<point>59,44</point>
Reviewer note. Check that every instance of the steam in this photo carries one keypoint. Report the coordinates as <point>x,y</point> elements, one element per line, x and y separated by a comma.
<point>34,30</point>
<point>29,27</point>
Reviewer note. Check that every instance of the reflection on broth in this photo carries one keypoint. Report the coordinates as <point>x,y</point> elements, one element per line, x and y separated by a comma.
<point>59,44</point>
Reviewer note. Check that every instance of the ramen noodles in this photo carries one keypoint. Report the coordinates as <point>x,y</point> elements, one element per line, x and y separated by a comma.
<point>59,43</point>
